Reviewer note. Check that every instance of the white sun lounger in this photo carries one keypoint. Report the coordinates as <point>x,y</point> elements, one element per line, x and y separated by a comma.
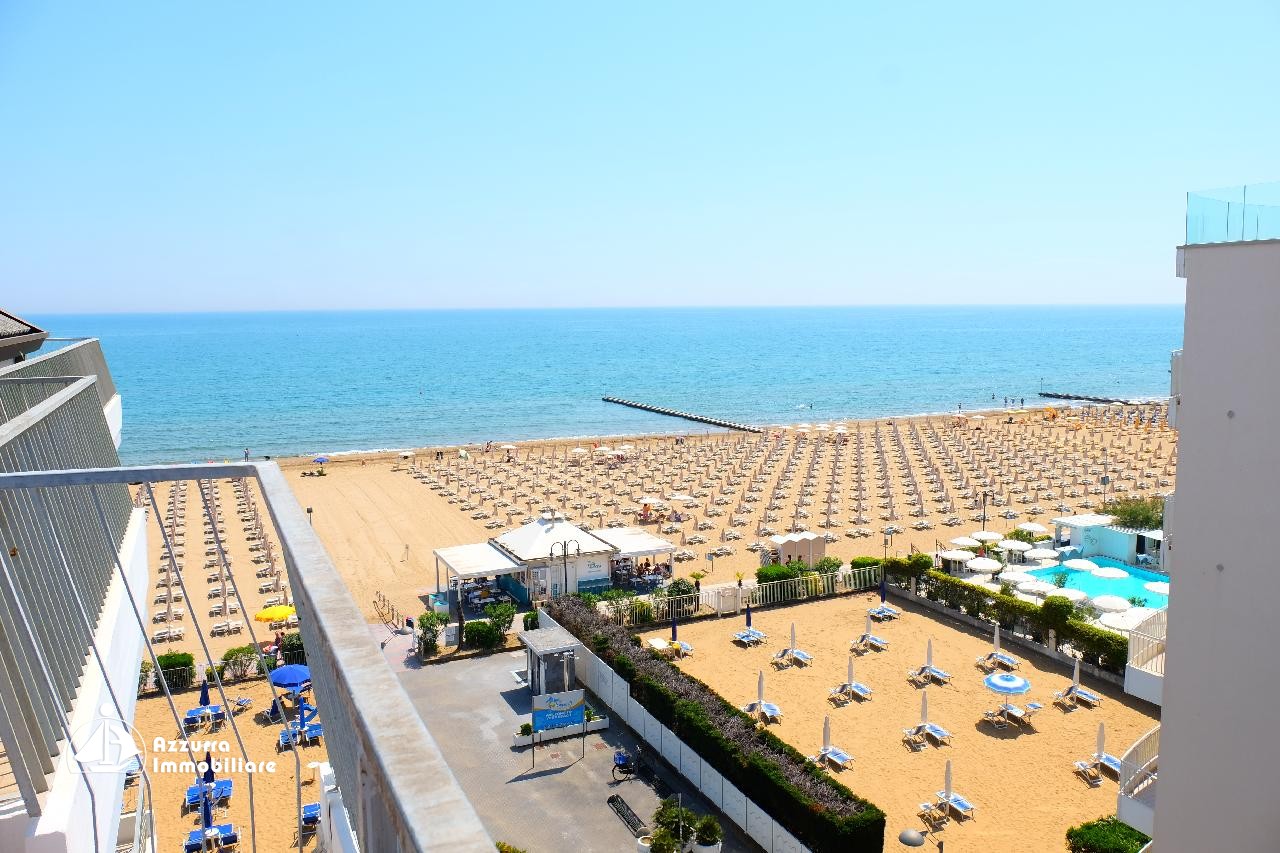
<point>957,803</point>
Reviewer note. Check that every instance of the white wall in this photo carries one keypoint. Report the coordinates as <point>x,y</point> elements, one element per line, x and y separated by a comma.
<point>64,825</point>
<point>1218,765</point>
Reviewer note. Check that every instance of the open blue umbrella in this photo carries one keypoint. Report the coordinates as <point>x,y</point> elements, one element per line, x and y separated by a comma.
<point>291,677</point>
<point>204,692</point>
<point>748,615</point>
<point>208,769</point>
<point>673,629</point>
<point>1007,684</point>
<point>320,460</point>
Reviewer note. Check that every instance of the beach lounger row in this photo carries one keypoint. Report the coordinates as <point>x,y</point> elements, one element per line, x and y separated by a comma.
<point>221,837</point>
<point>306,734</point>
<point>220,791</point>
<point>750,637</point>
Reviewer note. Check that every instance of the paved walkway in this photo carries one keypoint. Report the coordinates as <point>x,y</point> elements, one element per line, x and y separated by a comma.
<point>556,802</point>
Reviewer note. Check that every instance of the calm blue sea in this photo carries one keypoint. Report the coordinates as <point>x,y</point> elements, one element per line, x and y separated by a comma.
<point>202,386</point>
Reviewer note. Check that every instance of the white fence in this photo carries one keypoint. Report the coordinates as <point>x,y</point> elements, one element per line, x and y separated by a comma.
<point>1147,643</point>
<point>660,608</point>
<point>1140,764</point>
<point>614,691</point>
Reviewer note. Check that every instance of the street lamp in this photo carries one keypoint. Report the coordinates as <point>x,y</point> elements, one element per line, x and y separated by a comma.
<point>309,521</point>
<point>564,556</point>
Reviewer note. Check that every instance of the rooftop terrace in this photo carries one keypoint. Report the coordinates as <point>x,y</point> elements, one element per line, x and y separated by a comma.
<point>1234,214</point>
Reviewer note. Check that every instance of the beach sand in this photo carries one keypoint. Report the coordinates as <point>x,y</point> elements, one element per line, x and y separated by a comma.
<point>1021,782</point>
<point>274,794</point>
<point>369,507</point>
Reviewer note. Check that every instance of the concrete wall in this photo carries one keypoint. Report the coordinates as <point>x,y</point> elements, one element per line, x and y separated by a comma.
<point>1110,543</point>
<point>1222,675</point>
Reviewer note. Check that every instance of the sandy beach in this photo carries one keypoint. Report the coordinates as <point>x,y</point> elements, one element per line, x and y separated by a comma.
<point>380,524</point>
<point>1020,780</point>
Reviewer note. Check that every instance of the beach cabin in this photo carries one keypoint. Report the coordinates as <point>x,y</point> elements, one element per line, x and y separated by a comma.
<point>549,659</point>
<point>561,557</point>
<point>1095,535</point>
<point>807,547</point>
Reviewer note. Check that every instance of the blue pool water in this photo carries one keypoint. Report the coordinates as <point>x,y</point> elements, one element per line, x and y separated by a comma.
<point>1123,587</point>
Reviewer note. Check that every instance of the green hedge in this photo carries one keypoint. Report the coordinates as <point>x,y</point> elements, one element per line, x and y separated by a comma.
<point>1105,835</point>
<point>822,813</point>
<point>481,635</point>
<point>864,562</point>
<point>768,574</point>
<point>1099,646</point>
<point>178,669</point>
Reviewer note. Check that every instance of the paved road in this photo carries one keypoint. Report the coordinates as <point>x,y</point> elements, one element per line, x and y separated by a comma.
<point>557,803</point>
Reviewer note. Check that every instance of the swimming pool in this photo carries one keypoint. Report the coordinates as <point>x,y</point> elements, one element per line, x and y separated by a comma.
<point>1123,587</point>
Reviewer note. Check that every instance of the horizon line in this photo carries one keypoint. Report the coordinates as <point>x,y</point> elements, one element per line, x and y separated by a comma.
<point>792,307</point>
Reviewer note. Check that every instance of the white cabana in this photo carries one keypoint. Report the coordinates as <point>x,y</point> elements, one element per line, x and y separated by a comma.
<point>806,546</point>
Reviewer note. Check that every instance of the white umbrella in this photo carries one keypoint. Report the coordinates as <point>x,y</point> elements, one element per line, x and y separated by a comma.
<point>793,635</point>
<point>956,554</point>
<point>1041,554</point>
<point>1110,573</point>
<point>1075,674</point>
<point>603,450</point>
<point>760,688</point>
<point>1037,587</point>
<point>850,681</point>
<point>1072,595</point>
<point>965,542</point>
<point>928,653</point>
<point>826,733</point>
<point>578,451</point>
<point>1127,621</point>
<point>1080,565</point>
<point>1110,603</point>
<point>651,499</point>
<point>985,565</point>
<point>946,783</point>
<point>995,643</point>
<point>508,447</point>
<point>1015,577</point>
<point>1013,545</point>
<point>681,498</point>
<point>924,706</point>
<point>985,536</point>
<point>1032,527</point>
<point>1158,587</point>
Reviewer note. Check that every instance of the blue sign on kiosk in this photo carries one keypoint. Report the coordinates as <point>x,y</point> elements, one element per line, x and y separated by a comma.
<point>556,710</point>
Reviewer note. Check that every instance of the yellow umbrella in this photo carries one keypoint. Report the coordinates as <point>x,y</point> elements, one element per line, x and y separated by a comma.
<point>278,613</point>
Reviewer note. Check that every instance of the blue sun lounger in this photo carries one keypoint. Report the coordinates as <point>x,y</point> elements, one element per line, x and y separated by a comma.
<point>222,790</point>
<point>957,803</point>
<point>750,637</point>
<point>310,817</point>
<point>223,835</point>
<point>994,659</point>
<point>870,641</point>
<point>1077,695</point>
<point>884,612</point>
<point>835,756</point>
<point>850,690</point>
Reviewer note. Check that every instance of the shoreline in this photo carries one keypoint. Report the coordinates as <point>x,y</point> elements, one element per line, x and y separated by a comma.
<point>295,458</point>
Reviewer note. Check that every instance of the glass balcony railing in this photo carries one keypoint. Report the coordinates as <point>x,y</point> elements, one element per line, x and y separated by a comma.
<point>1234,214</point>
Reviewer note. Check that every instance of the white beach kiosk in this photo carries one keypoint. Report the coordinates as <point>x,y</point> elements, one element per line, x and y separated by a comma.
<point>1095,534</point>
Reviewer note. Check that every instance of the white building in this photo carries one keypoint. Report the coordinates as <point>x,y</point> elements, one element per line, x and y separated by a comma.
<point>1217,761</point>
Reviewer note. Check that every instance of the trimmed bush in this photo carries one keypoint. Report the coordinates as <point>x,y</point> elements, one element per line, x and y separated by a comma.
<point>1136,513</point>
<point>1105,835</point>
<point>827,565</point>
<point>768,574</point>
<point>481,635</point>
<point>501,616</point>
<point>1098,646</point>
<point>709,831</point>
<point>178,669</point>
<point>864,562</point>
<point>531,621</point>
<point>920,563</point>
<point>822,813</point>
<point>1055,612</point>
<point>291,649</point>
<point>238,660</point>
<point>429,625</point>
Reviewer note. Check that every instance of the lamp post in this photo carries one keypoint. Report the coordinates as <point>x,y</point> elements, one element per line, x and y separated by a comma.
<point>564,558</point>
<point>309,521</point>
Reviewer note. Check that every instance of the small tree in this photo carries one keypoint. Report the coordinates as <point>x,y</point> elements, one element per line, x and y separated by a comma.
<point>1137,601</point>
<point>1060,579</point>
<point>481,635</point>
<point>291,650</point>
<point>531,620</point>
<point>1056,611</point>
<point>144,674</point>
<point>429,625</point>
<point>238,660</point>
<point>501,615</point>
<point>177,669</point>
<point>1022,536</point>
<point>827,565</point>
<point>1136,513</point>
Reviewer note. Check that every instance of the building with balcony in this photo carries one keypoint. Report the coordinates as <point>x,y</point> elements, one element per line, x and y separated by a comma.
<point>74,628</point>
<point>1219,763</point>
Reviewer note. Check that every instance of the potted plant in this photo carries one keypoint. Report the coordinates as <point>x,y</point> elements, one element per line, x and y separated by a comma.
<point>662,842</point>
<point>678,823</point>
<point>709,837</point>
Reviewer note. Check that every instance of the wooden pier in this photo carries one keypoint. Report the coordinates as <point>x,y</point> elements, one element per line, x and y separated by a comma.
<point>702,419</point>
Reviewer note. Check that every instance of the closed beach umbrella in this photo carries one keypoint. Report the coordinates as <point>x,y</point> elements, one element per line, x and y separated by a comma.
<point>883,586</point>
<point>826,733</point>
<point>946,782</point>
<point>204,692</point>
<point>965,542</point>
<point>209,778</point>
<point>1110,603</point>
<point>673,629</point>
<point>928,652</point>
<point>850,681</point>
<point>1110,573</point>
<point>995,643</point>
<point>868,630</point>
<point>793,635</point>
<point>206,810</point>
<point>760,688</point>
<point>748,614</point>
<point>1080,565</point>
<point>985,536</point>
<point>1075,674</point>
<point>924,706</point>
<point>1158,587</point>
<point>986,565</point>
<point>1101,743</point>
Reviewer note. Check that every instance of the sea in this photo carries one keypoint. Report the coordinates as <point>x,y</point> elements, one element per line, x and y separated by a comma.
<point>206,386</point>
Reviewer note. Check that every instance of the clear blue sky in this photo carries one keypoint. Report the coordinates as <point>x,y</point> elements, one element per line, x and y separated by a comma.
<point>222,156</point>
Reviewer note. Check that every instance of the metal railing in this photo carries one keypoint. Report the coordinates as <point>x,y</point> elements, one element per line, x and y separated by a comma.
<point>1139,766</point>
<point>1147,643</point>
<point>395,784</point>
<point>82,358</point>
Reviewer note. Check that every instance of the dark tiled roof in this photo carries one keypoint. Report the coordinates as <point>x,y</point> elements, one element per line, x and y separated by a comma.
<point>11,326</point>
